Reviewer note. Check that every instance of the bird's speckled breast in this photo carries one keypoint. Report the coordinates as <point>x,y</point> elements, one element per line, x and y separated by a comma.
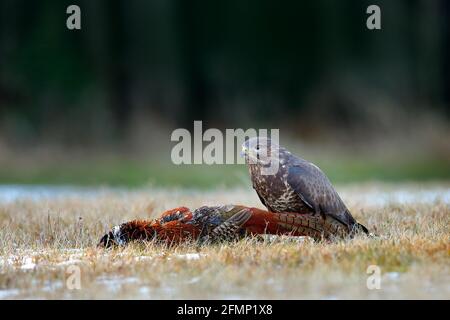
<point>277,194</point>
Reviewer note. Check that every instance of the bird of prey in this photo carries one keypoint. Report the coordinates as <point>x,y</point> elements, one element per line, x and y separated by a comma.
<point>297,186</point>
<point>209,224</point>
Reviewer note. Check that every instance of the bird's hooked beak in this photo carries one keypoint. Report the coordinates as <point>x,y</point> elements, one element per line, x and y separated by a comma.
<point>250,156</point>
<point>244,151</point>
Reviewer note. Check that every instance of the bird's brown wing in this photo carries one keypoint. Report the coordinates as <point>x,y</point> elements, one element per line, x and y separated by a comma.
<point>229,228</point>
<point>316,191</point>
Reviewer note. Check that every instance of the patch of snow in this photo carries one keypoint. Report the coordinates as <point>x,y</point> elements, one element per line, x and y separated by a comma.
<point>377,196</point>
<point>145,291</point>
<point>26,259</point>
<point>383,198</point>
<point>68,262</point>
<point>190,256</point>
<point>393,275</point>
<point>193,280</point>
<point>11,193</point>
<point>28,264</point>
<point>8,293</point>
<point>25,263</point>
<point>74,251</point>
<point>115,283</point>
<point>144,258</point>
<point>50,286</point>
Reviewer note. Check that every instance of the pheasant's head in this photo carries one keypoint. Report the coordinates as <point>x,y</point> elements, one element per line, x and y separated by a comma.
<point>130,231</point>
<point>107,240</point>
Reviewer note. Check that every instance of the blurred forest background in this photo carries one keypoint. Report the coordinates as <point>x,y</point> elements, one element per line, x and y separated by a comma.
<point>98,105</point>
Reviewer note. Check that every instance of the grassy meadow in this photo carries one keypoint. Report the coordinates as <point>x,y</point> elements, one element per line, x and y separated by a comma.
<point>92,119</point>
<point>43,237</point>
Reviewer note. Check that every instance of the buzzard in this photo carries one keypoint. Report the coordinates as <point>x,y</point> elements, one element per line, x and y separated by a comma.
<point>219,223</point>
<point>297,186</point>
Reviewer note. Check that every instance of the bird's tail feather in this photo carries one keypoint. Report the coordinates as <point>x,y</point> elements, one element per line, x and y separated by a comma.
<point>362,228</point>
<point>359,228</point>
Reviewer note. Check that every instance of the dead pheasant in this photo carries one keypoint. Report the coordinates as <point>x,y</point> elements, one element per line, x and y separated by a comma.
<point>221,223</point>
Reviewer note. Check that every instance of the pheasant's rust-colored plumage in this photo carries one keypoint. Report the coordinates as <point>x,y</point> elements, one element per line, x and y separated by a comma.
<point>221,223</point>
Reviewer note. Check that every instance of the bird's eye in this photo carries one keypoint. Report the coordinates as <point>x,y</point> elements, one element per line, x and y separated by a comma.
<point>257,147</point>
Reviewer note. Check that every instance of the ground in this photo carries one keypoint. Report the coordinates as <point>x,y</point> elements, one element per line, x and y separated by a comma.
<point>46,231</point>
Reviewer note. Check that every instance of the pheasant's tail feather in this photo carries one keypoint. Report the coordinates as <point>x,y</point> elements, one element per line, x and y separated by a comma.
<point>296,224</point>
<point>228,230</point>
<point>311,225</point>
<point>338,229</point>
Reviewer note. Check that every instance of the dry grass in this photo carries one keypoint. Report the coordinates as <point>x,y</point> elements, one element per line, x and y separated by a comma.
<point>41,238</point>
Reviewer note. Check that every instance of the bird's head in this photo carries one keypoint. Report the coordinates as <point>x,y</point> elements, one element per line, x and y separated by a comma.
<point>121,235</point>
<point>116,237</point>
<point>260,150</point>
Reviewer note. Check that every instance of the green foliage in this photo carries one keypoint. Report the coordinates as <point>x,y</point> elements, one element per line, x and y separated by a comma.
<point>135,174</point>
